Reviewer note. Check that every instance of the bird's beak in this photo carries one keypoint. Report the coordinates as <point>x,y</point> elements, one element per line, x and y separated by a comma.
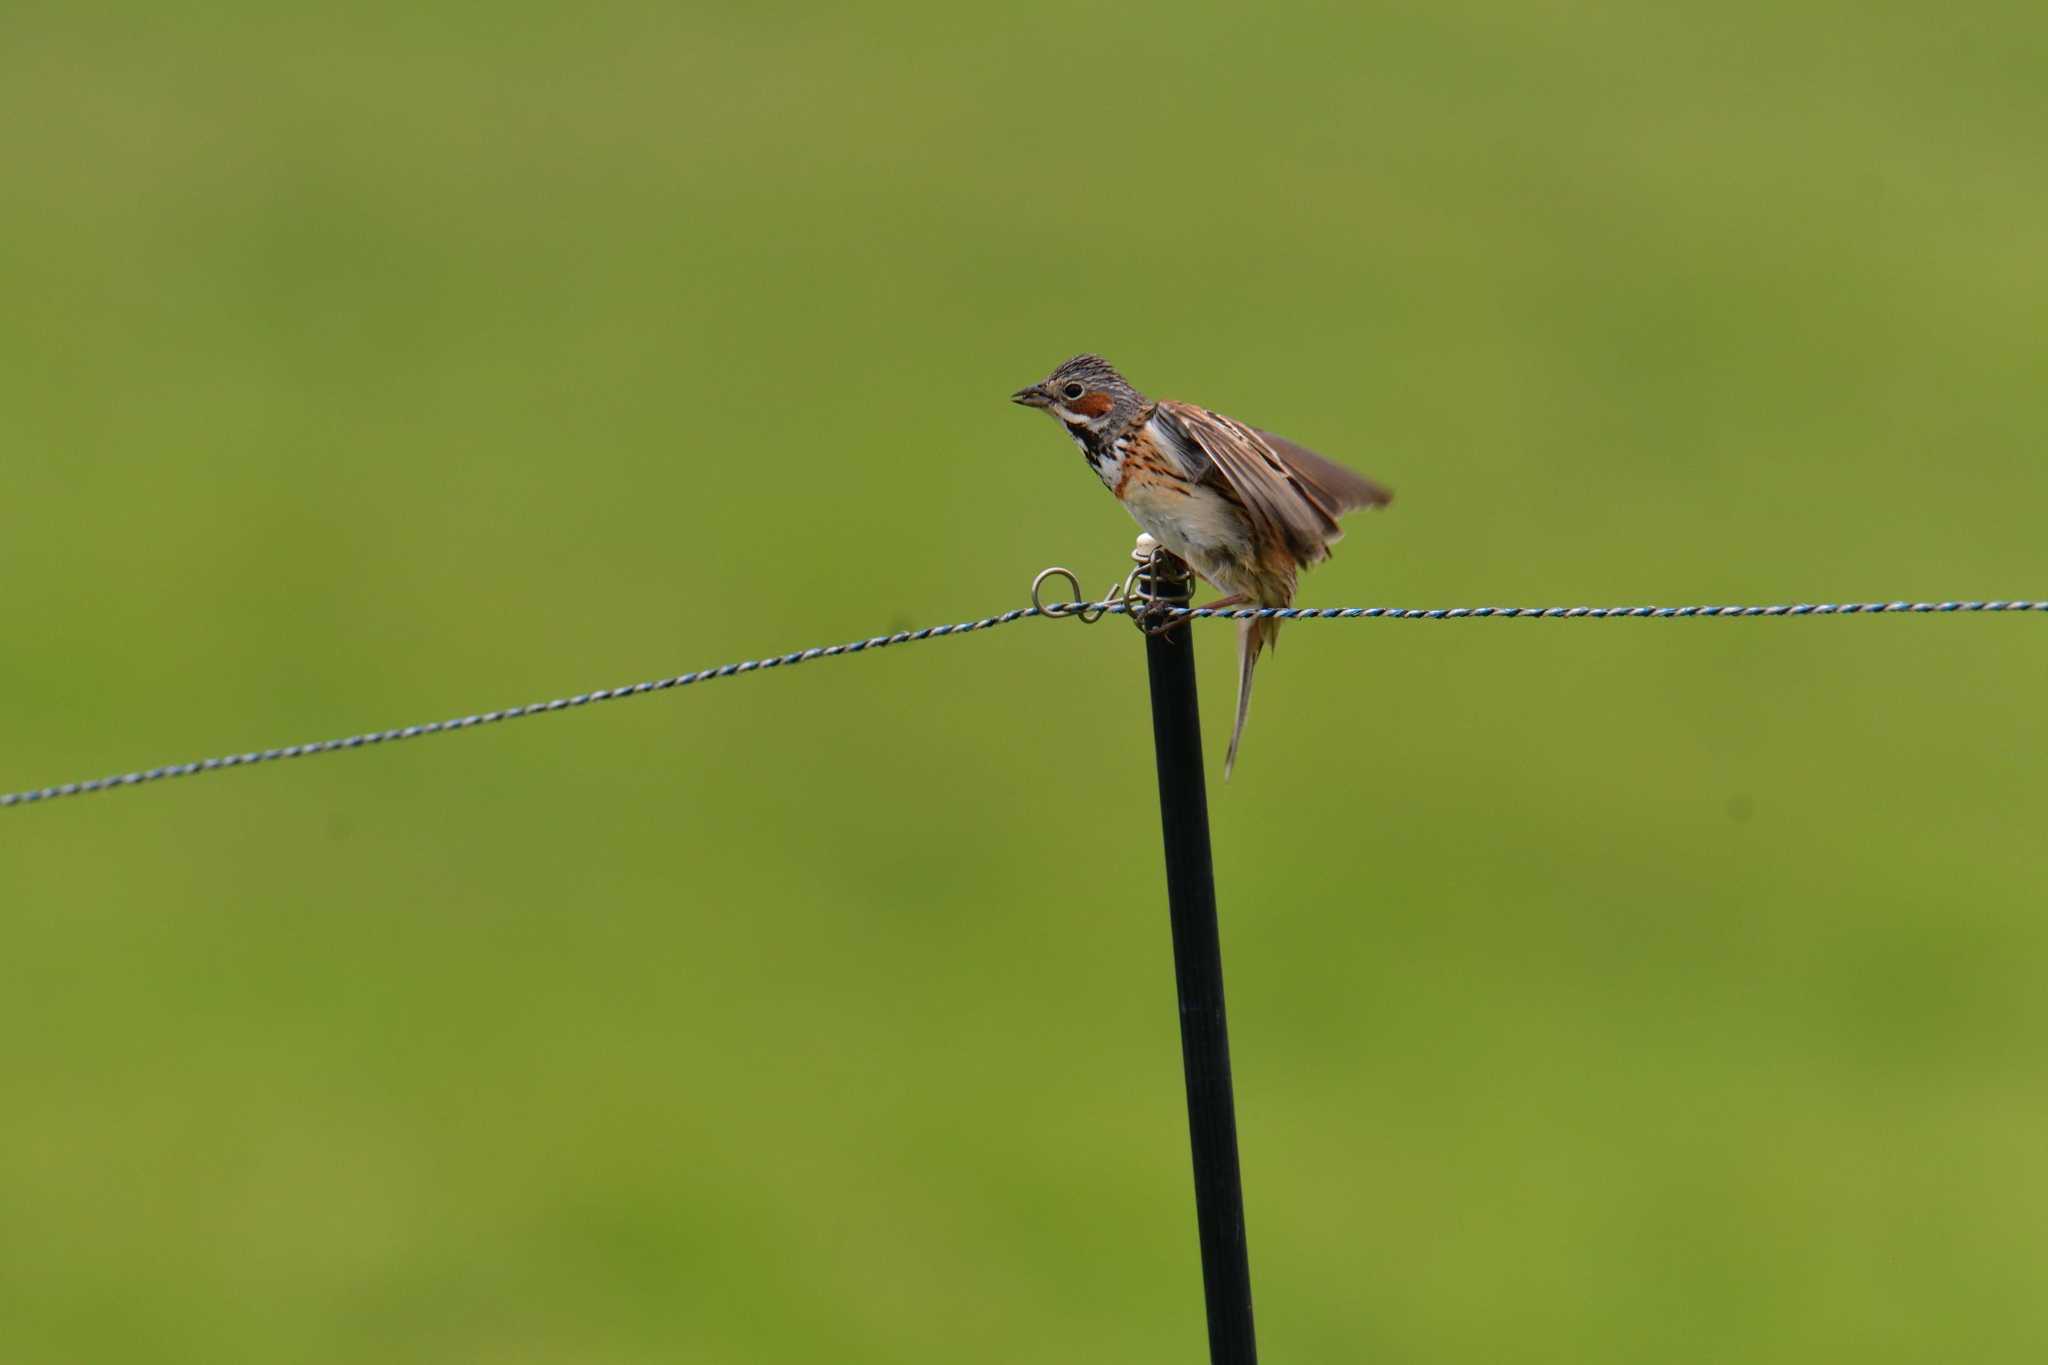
<point>1033,397</point>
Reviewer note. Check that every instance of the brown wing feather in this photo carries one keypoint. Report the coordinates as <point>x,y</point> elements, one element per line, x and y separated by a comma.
<point>1297,508</point>
<point>1342,489</point>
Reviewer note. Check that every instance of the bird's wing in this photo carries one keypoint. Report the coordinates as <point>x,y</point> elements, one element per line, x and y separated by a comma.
<point>1293,494</point>
<point>1342,490</point>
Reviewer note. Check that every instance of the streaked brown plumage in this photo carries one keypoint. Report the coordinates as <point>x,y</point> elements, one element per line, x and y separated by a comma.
<point>1246,509</point>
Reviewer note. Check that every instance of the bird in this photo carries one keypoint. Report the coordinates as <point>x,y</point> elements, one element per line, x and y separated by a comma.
<point>1247,510</point>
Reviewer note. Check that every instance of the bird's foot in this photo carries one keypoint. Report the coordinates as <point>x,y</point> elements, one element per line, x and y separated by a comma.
<point>1159,623</point>
<point>1163,623</point>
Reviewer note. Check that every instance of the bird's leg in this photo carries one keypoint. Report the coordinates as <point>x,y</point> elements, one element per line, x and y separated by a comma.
<point>1236,599</point>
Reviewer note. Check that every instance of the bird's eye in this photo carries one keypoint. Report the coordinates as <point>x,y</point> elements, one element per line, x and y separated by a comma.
<point>1072,392</point>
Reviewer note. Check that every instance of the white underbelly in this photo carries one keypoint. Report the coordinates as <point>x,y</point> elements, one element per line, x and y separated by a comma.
<point>1203,527</point>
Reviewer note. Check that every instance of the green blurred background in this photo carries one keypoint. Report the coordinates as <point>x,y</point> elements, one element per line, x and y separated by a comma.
<point>1635,992</point>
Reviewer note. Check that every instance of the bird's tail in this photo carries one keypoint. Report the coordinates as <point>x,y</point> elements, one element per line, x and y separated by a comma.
<point>1253,636</point>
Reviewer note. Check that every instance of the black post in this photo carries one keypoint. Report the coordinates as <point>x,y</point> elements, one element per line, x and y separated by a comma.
<point>1198,970</point>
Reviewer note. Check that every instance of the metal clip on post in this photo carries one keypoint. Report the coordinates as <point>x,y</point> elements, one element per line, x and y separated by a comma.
<point>1162,582</point>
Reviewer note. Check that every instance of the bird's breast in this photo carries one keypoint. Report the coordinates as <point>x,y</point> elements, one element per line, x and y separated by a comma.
<point>1194,520</point>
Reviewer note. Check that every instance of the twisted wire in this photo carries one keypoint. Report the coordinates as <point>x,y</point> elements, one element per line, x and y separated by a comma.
<point>1599,613</point>
<point>1114,607</point>
<point>328,746</point>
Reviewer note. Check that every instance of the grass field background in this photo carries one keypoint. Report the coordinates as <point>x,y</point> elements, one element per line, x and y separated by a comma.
<point>1628,992</point>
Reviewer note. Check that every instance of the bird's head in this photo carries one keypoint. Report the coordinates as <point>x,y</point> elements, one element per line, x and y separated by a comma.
<point>1085,394</point>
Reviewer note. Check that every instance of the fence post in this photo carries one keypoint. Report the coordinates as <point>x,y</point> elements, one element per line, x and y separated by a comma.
<point>1197,963</point>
